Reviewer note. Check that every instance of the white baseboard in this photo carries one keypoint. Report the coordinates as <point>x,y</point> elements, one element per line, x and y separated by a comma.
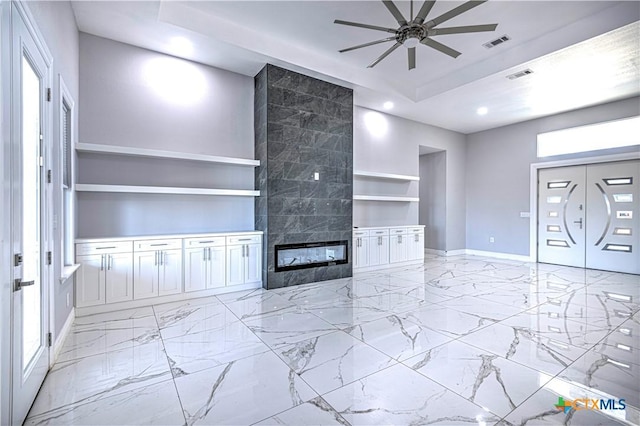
<point>64,332</point>
<point>434,251</point>
<point>498,255</point>
<point>455,252</point>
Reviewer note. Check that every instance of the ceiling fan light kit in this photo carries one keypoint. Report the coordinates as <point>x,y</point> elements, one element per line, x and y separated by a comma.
<point>416,31</point>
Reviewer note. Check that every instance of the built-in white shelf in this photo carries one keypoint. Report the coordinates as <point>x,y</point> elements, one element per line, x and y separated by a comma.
<point>385,175</point>
<point>155,153</point>
<point>385,198</point>
<point>83,187</point>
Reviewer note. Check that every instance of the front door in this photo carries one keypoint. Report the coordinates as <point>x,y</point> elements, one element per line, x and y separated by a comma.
<point>588,216</point>
<point>29,315</point>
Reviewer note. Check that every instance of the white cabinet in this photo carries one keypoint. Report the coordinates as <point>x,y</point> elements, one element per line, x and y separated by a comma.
<point>415,243</point>
<point>397,245</point>
<point>378,247</point>
<point>360,249</point>
<point>105,274</point>
<point>204,263</point>
<point>244,259</point>
<point>157,267</point>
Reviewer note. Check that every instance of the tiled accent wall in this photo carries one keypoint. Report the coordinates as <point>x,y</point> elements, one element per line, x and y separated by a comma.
<point>302,126</point>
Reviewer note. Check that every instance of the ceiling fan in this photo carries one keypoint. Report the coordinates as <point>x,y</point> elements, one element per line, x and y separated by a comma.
<point>416,31</point>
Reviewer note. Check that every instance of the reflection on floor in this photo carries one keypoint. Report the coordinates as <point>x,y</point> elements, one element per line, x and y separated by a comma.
<point>458,340</point>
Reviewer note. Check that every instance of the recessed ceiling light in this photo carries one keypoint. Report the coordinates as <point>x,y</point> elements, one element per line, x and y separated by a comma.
<point>387,105</point>
<point>482,111</point>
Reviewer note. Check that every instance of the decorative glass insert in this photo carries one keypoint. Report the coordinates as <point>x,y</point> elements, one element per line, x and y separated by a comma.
<point>618,181</point>
<point>622,231</point>
<point>557,243</point>
<point>553,214</point>
<point>555,199</point>
<point>553,228</point>
<point>623,198</point>
<point>618,247</point>
<point>310,255</point>
<point>558,185</point>
<point>622,214</point>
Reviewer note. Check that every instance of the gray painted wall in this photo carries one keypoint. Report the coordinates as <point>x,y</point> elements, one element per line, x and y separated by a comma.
<point>396,150</point>
<point>121,106</point>
<point>433,199</point>
<point>5,226</point>
<point>498,174</point>
<point>57,24</point>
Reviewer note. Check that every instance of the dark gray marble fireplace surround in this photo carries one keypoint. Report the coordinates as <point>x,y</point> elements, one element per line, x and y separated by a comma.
<point>303,126</point>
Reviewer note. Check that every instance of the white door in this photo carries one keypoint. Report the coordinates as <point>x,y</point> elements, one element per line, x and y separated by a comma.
<point>30,313</point>
<point>196,268</point>
<point>588,216</point>
<point>90,281</point>
<point>217,267</point>
<point>170,272</point>
<point>561,216</point>
<point>253,260</point>
<point>119,277</point>
<point>235,265</point>
<point>361,252</point>
<point>613,216</point>
<point>145,279</point>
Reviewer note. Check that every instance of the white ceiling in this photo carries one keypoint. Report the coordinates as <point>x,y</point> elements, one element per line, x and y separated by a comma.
<point>582,53</point>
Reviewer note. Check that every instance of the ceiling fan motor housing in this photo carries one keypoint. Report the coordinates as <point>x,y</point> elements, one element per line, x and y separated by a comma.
<point>410,31</point>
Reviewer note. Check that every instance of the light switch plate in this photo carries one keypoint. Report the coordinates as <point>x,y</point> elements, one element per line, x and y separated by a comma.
<point>525,214</point>
<point>316,176</point>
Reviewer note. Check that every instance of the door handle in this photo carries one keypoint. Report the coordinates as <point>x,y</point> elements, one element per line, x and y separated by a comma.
<point>18,284</point>
<point>578,222</point>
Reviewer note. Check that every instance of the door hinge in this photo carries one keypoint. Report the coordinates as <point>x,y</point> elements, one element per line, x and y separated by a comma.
<point>48,176</point>
<point>49,340</point>
<point>49,94</point>
<point>49,258</point>
<point>17,259</point>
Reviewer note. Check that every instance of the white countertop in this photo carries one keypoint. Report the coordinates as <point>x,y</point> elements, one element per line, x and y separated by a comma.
<point>167,236</point>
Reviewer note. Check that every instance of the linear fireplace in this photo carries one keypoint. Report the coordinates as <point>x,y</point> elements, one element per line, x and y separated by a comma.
<point>310,255</point>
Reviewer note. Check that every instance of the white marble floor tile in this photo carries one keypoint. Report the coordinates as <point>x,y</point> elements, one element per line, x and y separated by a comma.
<point>123,315</point>
<point>449,322</point>
<point>400,396</point>
<point>187,319</point>
<point>333,360</point>
<point>238,296</point>
<point>398,338</point>
<point>394,302</point>
<point>288,328</point>
<point>346,313</point>
<point>90,379</point>
<point>482,307</point>
<point>212,347</point>
<point>156,404</point>
<point>314,412</point>
<point>241,392</point>
<point>486,379</point>
<point>263,304</point>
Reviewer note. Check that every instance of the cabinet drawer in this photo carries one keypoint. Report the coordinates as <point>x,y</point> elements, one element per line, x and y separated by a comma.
<point>379,232</point>
<point>360,233</point>
<point>397,231</point>
<point>244,239</point>
<point>204,242</point>
<point>149,245</point>
<point>415,230</point>
<point>106,247</point>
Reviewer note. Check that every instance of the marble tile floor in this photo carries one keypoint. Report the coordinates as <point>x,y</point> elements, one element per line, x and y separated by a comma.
<point>457,340</point>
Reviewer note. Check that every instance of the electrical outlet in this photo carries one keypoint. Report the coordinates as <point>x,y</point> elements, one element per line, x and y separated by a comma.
<point>492,240</point>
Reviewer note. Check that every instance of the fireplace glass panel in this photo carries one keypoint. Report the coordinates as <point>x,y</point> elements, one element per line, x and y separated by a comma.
<point>310,255</point>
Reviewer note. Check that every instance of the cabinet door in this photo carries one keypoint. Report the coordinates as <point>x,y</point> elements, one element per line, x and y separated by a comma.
<point>416,252</point>
<point>378,250</point>
<point>170,281</point>
<point>253,261</point>
<point>398,248</point>
<point>119,277</point>
<point>235,265</point>
<point>217,264</point>
<point>361,252</point>
<point>196,268</point>
<point>145,278</point>
<point>90,285</point>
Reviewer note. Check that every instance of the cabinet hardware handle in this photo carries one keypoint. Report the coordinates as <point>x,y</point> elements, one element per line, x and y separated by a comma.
<point>162,253</point>
<point>158,245</point>
<point>155,261</point>
<point>204,254</point>
<point>399,239</point>
<point>110,263</point>
<point>206,242</point>
<point>209,249</point>
<point>105,248</point>
<point>102,262</point>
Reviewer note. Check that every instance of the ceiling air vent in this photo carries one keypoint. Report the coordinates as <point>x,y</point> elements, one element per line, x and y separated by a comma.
<point>519,74</point>
<point>494,43</point>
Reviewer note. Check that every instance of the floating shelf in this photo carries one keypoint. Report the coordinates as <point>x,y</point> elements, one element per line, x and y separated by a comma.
<point>155,153</point>
<point>83,187</point>
<point>385,175</point>
<point>385,198</point>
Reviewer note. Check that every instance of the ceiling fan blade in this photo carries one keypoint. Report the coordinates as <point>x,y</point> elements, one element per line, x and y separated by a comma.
<point>424,11</point>
<point>440,47</point>
<point>367,26</point>
<point>461,30</point>
<point>454,12</point>
<point>385,54</point>
<point>395,12</point>
<point>412,57</point>
<point>371,43</point>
